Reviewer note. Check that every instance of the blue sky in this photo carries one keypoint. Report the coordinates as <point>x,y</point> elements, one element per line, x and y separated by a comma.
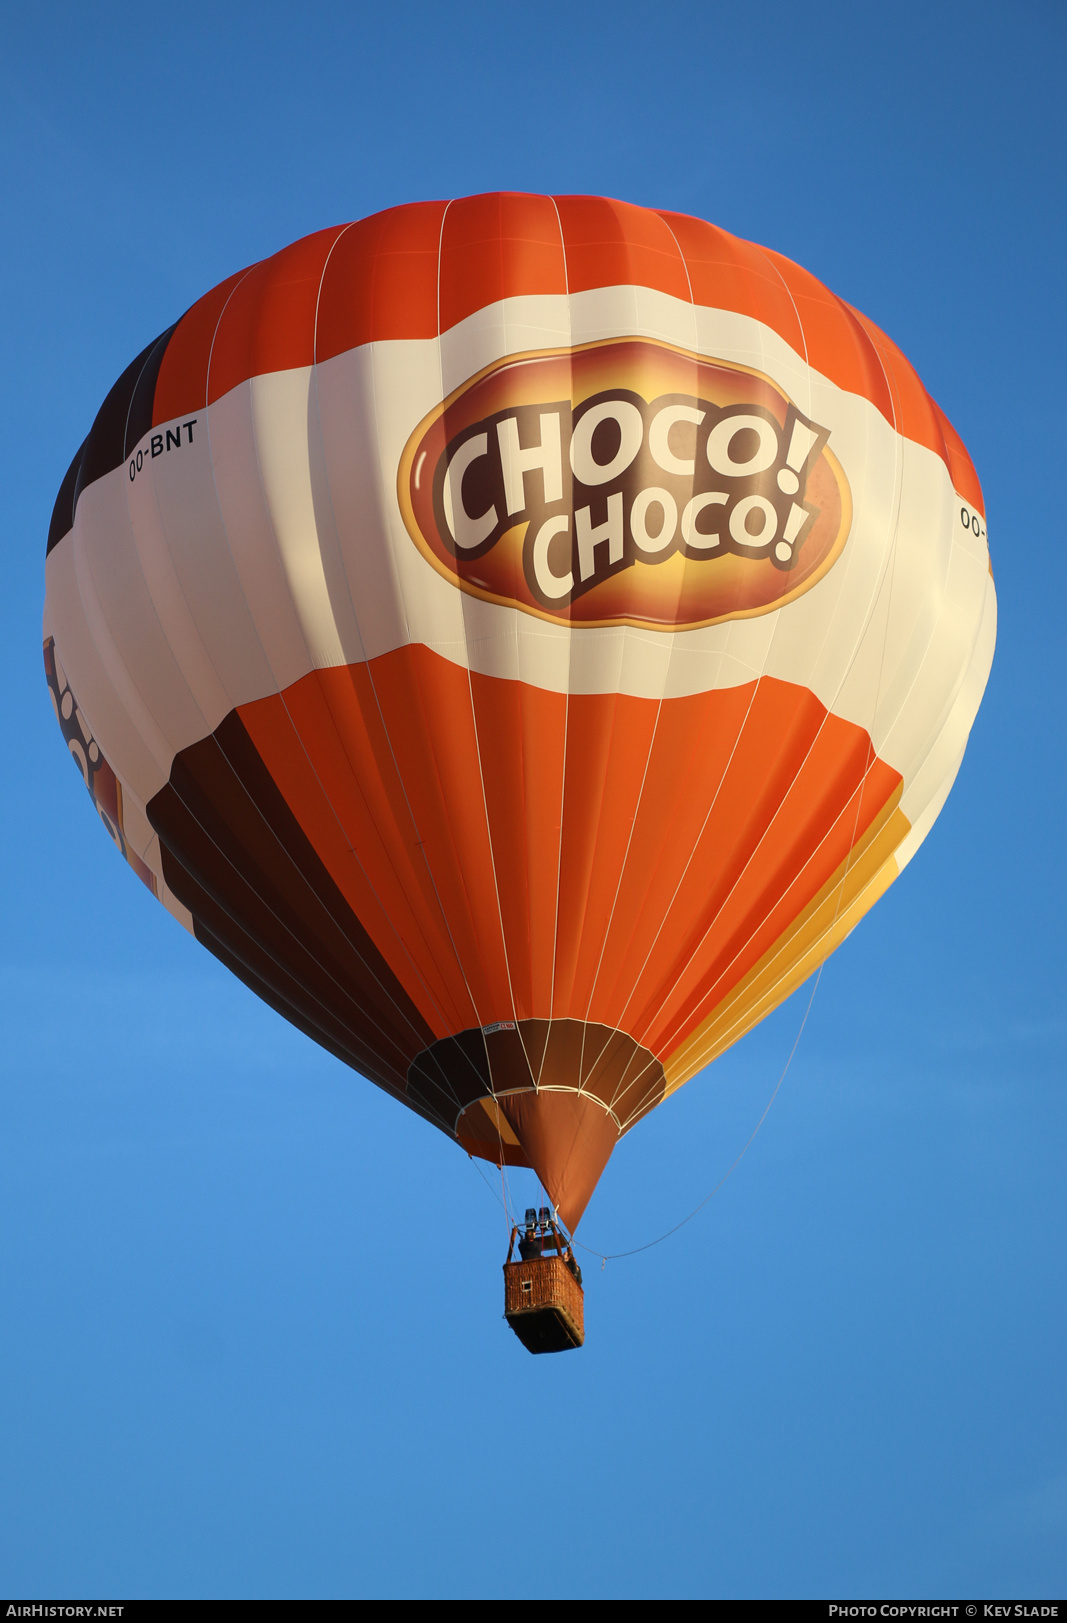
<point>253,1340</point>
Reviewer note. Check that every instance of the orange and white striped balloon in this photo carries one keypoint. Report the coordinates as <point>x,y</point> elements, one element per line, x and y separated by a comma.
<point>520,636</point>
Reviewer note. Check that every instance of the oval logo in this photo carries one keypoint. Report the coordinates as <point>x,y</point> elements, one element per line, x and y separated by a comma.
<point>625,483</point>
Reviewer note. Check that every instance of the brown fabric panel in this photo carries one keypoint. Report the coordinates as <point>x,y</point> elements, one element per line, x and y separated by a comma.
<point>625,1077</point>
<point>570,1054</point>
<point>606,1063</point>
<point>228,828</point>
<point>451,1074</point>
<point>245,957</point>
<point>286,1000</point>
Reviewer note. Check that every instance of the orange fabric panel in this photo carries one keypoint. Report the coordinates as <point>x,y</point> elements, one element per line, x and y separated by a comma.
<point>182,382</point>
<point>693,833</point>
<point>778,865</point>
<point>416,270</point>
<point>618,244</point>
<point>915,409</point>
<point>914,413</point>
<point>762,778</point>
<point>428,716</point>
<point>727,273</point>
<point>608,741</point>
<point>673,844</point>
<point>326,747</point>
<point>497,247</point>
<point>835,343</point>
<point>852,352</point>
<point>960,466</point>
<point>522,734</point>
<point>919,418</point>
<point>381,280</point>
<point>870,867</point>
<point>269,323</point>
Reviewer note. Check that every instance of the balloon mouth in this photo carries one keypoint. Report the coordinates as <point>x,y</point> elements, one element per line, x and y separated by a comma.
<point>553,1095</point>
<point>566,1137</point>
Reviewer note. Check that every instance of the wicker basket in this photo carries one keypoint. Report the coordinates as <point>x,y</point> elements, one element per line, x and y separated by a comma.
<point>544,1304</point>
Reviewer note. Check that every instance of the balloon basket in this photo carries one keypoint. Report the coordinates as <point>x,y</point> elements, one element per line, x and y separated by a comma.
<point>543,1298</point>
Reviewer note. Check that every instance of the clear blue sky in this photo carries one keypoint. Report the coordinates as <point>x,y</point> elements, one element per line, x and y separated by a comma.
<point>253,1342</point>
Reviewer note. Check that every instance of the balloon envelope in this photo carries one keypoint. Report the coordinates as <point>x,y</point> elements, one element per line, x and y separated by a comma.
<point>520,637</point>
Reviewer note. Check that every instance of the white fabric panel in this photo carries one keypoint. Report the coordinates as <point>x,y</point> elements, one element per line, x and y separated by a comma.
<point>286,424</point>
<point>137,832</point>
<point>153,858</point>
<point>511,327</point>
<point>273,545</point>
<point>930,778</point>
<point>143,839</point>
<point>118,719</point>
<point>246,519</point>
<point>927,818</point>
<point>135,825</point>
<point>176,618</point>
<point>128,632</point>
<point>172,905</point>
<point>896,486</point>
<point>926,691</point>
<point>194,538</point>
<point>355,400</point>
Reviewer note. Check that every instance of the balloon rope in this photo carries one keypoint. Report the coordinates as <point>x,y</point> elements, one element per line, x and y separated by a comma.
<point>615,1256</point>
<point>501,1198</point>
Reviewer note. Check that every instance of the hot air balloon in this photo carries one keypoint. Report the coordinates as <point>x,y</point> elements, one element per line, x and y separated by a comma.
<point>520,637</point>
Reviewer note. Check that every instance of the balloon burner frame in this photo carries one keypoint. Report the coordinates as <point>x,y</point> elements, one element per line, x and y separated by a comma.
<point>543,1298</point>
